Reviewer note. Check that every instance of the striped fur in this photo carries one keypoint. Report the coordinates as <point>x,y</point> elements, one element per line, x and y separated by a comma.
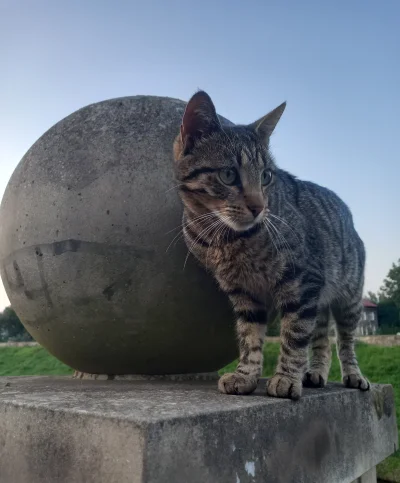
<point>273,243</point>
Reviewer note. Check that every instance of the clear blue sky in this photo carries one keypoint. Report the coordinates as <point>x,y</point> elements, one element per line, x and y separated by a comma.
<point>336,63</point>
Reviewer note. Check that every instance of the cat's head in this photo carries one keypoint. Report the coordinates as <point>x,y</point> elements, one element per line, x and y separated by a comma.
<point>224,170</point>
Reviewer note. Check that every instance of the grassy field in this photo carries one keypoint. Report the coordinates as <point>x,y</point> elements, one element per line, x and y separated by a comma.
<point>379,364</point>
<point>30,361</point>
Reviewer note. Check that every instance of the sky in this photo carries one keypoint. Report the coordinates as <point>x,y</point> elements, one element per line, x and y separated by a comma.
<point>337,64</point>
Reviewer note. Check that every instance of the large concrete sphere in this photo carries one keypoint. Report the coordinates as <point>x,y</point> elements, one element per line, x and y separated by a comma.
<point>85,224</point>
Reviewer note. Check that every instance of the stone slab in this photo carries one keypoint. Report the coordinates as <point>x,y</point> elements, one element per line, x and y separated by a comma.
<point>63,430</point>
<point>368,477</point>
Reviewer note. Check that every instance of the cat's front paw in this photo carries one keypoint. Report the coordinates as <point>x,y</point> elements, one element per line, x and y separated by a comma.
<point>235,383</point>
<point>314,379</point>
<point>282,385</point>
<point>357,381</point>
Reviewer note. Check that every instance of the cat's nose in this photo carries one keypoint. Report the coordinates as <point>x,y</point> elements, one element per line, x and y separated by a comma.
<point>255,209</point>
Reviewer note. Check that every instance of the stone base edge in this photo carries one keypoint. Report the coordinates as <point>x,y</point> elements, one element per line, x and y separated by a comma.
<point>200,376</point>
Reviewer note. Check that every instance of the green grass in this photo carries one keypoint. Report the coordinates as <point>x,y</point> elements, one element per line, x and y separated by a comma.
<point>30,361</point>
<point>379,364</point>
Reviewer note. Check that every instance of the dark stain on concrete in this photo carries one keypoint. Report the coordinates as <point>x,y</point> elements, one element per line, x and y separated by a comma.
<point>45,288</point>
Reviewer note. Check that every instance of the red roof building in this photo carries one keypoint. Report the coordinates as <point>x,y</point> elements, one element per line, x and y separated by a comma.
<point>368,303</point>
<point>368,324</point>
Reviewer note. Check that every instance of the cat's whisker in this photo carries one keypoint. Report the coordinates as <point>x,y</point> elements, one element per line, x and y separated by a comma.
<point>203,233</point>
<point>217,230</point>
<point>223,234</point>
<point>174,187</point>
<point>206,231</point>
<point>176,237</point>
<point>270,235</point>
<point>173,229</point>
<point>289,248</point>
<point>279,236</point>
<point>228,230</point>
<point>285,223</point>
<point>191,222</point>
<point>283,240</point>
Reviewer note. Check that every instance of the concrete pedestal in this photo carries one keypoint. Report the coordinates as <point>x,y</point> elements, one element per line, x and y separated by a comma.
<point>60,430</point>
<point>368,477</point>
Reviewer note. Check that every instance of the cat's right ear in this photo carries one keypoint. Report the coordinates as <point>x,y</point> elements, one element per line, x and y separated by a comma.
<point>265,126</point>
<point>199,120</point>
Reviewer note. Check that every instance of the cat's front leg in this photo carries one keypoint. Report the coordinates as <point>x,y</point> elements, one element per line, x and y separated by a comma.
<point>297,325</point>
<point>251,318</point>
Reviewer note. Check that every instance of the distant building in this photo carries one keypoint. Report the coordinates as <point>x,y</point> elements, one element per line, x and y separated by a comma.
<point>369,319</point>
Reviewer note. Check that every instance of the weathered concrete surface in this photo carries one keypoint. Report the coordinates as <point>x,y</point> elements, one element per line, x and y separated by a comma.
<point>86,221</point>
<point>368,477</point>
<point>70,431</point>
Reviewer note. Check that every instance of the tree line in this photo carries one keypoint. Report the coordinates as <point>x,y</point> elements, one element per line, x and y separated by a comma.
<point>388,301</point>
<point>11,328</point>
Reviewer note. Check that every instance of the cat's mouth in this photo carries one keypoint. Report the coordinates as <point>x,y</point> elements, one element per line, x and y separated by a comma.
<point>241,226</point>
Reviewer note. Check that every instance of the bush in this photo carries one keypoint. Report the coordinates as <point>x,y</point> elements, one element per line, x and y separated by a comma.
<point>11,328</point>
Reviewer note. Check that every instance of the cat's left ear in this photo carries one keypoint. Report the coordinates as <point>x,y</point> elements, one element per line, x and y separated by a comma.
<point>199,120</point>
<point>265,126</point>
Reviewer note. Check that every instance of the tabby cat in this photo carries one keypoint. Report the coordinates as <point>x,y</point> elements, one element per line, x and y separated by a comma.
<point>274,244</point>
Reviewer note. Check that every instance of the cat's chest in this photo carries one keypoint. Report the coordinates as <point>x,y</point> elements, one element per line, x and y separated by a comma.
<point>239,264</point>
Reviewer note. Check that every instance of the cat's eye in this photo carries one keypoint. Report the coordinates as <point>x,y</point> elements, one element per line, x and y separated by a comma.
<point>266,177</point>
<point>229,176</point>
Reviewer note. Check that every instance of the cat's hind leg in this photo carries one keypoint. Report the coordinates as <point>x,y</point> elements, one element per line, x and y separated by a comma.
<point>321,352</point>
<point>347,314</point>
